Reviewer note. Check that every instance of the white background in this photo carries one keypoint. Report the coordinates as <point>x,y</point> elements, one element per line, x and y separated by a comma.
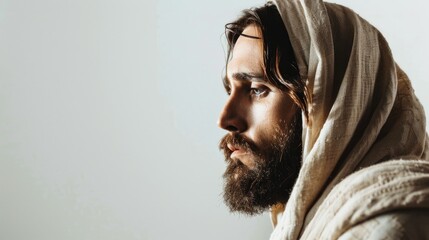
<point>108,115</point>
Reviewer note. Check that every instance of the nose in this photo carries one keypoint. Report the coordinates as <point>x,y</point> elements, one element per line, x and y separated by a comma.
<point>232,117</point>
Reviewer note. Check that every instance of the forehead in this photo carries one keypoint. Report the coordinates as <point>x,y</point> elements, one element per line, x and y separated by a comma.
<point>247,55</point>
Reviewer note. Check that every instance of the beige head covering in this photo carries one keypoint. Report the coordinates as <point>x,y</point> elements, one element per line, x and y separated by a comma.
<point>362,109</point>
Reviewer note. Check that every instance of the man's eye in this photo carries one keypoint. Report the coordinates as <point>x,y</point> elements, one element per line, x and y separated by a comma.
<point>258,91</point>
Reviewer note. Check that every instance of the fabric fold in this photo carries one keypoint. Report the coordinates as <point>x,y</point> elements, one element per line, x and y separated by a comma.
<point>362,108</point>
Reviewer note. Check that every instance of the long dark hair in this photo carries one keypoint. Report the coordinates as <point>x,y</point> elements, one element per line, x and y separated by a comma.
<point>280,65</point>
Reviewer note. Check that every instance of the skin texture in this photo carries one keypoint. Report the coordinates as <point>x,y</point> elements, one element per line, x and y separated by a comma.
<point>263,145</point>
<point>254,108</point>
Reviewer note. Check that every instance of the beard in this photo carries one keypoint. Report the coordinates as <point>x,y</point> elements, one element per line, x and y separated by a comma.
<point>253,191</point>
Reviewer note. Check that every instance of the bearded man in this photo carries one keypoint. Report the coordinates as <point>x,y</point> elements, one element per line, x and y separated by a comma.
<point>324,129</point>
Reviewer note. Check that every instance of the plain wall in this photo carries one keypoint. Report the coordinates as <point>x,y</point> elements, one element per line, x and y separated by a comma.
<point>108,115</point>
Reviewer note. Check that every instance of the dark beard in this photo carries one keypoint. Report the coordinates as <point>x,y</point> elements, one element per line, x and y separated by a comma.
<point>275,172</point>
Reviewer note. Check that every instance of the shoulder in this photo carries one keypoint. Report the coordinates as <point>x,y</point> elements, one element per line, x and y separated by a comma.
<point>379,199</point>
<point>408,224</point>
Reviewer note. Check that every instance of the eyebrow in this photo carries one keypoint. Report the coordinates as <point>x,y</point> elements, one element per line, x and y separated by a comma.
<point>243,76</point>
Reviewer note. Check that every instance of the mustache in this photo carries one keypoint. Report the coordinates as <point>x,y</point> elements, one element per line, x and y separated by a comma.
<point>238,141</point>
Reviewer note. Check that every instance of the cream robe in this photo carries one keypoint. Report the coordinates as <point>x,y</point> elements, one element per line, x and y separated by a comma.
<point>365,170</point>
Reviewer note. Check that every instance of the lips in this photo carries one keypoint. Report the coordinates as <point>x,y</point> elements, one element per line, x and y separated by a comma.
<point>232,147</point>
<point>235,150</point>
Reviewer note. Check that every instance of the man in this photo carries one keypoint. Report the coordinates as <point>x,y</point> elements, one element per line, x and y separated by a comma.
<point>324,129</point>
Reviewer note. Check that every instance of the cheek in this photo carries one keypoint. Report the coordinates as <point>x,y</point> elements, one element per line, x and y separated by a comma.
<point>270,112</point>
<point>268,117</point>
<point>283,110</point>
<point>264,120</point>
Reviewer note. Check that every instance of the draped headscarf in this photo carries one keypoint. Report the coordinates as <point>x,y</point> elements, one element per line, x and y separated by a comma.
<point>362,113</point>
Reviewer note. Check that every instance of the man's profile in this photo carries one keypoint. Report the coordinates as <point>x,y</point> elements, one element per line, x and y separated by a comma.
<point>324,129</point>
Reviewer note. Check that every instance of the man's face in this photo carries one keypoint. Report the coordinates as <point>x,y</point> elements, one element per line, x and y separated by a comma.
<point>262,147</point>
